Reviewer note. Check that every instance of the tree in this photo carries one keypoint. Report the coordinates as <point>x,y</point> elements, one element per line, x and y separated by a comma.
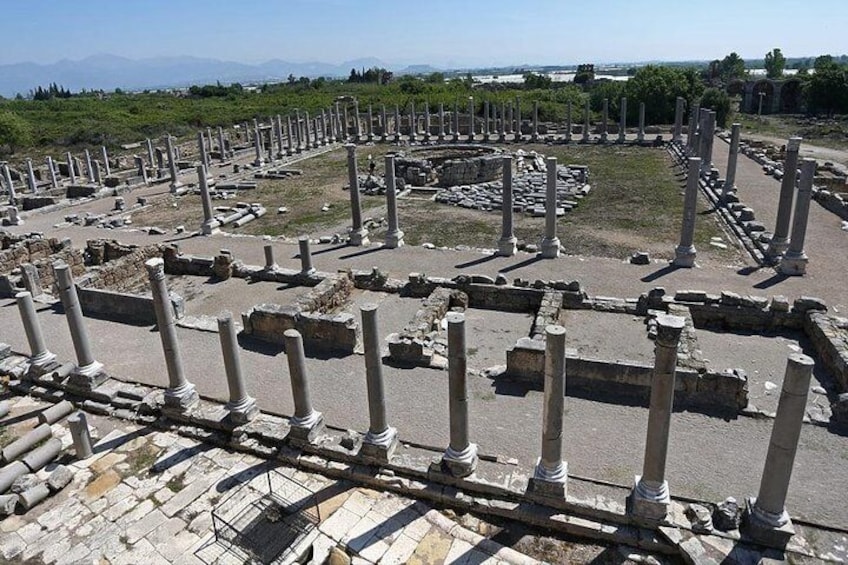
<point>827,90</point>
<point>774,63</point>
<point>14,131</point>
<point>436,78</point>
<point>658,87</point>
<point>731,67</point>
<point>536,80</point>
<point>717,100</point>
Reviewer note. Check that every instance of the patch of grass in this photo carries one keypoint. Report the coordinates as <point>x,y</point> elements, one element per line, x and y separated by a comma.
<point>832,133</point>
<point>142,459</point>
<point>176,484</point>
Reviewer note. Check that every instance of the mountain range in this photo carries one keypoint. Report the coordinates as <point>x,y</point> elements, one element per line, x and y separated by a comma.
<point>107,72</point>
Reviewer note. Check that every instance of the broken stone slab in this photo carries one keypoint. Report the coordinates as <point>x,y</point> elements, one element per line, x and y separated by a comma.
<point>10,473</point>
<point>26,442</point>
<point>59,478</point>
<point>55,413</point>
<point>8,503</point>
<point>29,498</point>
<point>24,483</point>
<point>640,258</point>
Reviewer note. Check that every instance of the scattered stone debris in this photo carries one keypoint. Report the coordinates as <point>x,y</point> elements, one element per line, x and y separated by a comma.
<point>640,258</point>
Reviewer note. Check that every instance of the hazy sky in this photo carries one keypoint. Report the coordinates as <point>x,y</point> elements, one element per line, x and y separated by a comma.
<point>440,32</point>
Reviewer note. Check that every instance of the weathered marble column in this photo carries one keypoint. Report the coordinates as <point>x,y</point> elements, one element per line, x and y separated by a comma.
<point>441,121</point>
<point>397,123</point>
<point>306,423</point>
<point>268,250</point>
<point>517,136</point>
<point>394,237</point>
<point>95,168</point>
<point>684,254</point>
<point>551,474</point>
<point>732,156</point>
<point>507,242</point>
<point>40,356</point>
<point>241,407</point>
<point>701,148</point>
<point>358,233</point>
<point>794,261</point>
<point>297,134</point>
<point>306,267</point>
<point>356,123</point>
<point>71,172</point>
<point>210,224</point>
<point>140,168</point>
<point>259,160</point>
<point>586,123</point>
<point>780,239</point>
<point>550,243</point>
<point>413,123</point>
<point>80,435</point>
<point>88,373</point>
<point>10,186</point>
<point>470,118</point>
<point>456,120</point>
<point>622,125</point>
<point>649,499</point>
<point>535,136</point>
<point>289,137</point>
<point>51,170</point>
<point>426,122</point>
<point>708,139</point>
<point>381,440</point>
<point>88,166</point>
<point>460,458</point>
<point>345,124</point>
<point>677,134</point>
<point>384,130</point>
<point>180,394</point>
<point>604,119</point>
<point>370,130</point>
<point>151,158</point>
<point>33,184</point>
<point>568,122</point>
<point>222,146</point>
<point>106,168</point>
<point>640,137</point>
<point>172,164</point>
<point>765,518</point>
<point>503,124</point>
<point>311,141</point>
<point>201,147</point>
<point>278,130</point>
<point>694,123</point>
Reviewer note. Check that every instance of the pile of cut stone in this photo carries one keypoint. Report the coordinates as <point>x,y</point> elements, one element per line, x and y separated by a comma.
<point>240,214</point>
<point>528,188</point>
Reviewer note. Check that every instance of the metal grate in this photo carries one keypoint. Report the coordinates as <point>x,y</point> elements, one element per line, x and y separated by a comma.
<point>267,519</point>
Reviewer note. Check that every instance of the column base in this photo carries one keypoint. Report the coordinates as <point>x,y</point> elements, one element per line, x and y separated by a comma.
<point>603,138</point>
<point>794,264</point>
<point>259,163</point>
<point>684,256</point>
<point>455,138</point>
<point>441,137</point>
<point>87,378</point>
<point>567,139</point>
<point>379,447</point>
<point>766,528</point>
<point>412,138</point>
<point>507,246</point>
<point>550,483</point>
<point>426,138</point>
<point>502,138</point>
<point>648,502</point>
<point>640,138</point>
<point>209,228</point>
<point>776,248</point>
<point>394,240</point>
<point>550,248</point>
<point>41,364</point>
<point>359,237</point>
<point>621,139</point>
<point>306,430</point>
<point>460,463</point>
<point>182,398</point>
<point>243,412</point>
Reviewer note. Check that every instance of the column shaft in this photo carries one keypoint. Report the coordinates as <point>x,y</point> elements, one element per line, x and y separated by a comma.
<point>550,243</point>
<point>241,406</point>
<point>780,239</point>
<point>358,235</point>
<point>40,355</point>
<point>305,255</point>
<point>685,252</point>
<point>394,236</point>
<point>506,245</point>
<point>379,432</point>
<point>732,156</point>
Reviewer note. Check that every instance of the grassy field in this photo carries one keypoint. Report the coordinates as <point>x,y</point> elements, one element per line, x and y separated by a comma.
<point>635,205</point>
<point>825,133</point>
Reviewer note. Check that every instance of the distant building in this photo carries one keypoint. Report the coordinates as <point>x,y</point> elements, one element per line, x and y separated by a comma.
<point>585,74</point>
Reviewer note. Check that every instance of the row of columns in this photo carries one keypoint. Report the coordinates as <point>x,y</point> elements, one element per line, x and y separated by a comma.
<point>93,170</point>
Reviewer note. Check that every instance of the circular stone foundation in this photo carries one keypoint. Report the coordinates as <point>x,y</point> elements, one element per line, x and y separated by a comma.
<point>448,166</point>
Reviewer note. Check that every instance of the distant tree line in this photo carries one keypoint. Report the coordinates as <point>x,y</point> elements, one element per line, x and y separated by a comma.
<point>52,91</point>
<point>377,75</point>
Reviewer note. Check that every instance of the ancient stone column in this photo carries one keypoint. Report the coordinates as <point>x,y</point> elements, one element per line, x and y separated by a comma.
<point>345,124</point>
<point>384,131</point>
<point>289,137</point>
<point>507,242</point>
<point>298,137</point>
<point>780,239</point>
<point>10,186</point>
<point>201,147</point>
<point>470,118</point>
<point>358,233</point>
<point>80,435</point>
<point>278,131</point>
<point>71,172</point>
<point>413,122</point>
<point>172,164</point>
<point>517,136</point>
<point>141,169</point>
<point>535,136</point>
<point>106,168</point>
<point>551,474</point>
<point>222,146</point>
<point>381,440</point>
<point>31,182</point>
<point>604,118</point>
<point>306,267</point>
<point>694,123</point>
<point>486,133</point>
<point>242,407</point>
<point>622,126</point>
<point>649,499</point>
<point>88,372</point>
<point>640,137</point>
<point>503,125</point>
<point>765,519</point>
<point>88,166</point>
<point>270,263</point>
<point>397,123</point>
<point>40,357</point>
<point>150,156</point>
<point>732,156</point>
<point>370,130</point>
<point>95,167</point>
<point>586,122</point>
<point>306,423</point>
<point>180,394</point>
<point>460,458</point>
<point>441,121</point>
<point>394,237</point>
<point>677,135</point>
<point>51,170</point>
<point>684,254</point>
<point>550,243</point>
<point>568,124</point>
<point>357,126</point>
<point>307,136</point>
<point>708,138</point>
<point>210,224</point>
<point>701,147</point>
<point>426,122</point>
<point>259,160</point>
<point>456,120</point>
<point>794,261</point>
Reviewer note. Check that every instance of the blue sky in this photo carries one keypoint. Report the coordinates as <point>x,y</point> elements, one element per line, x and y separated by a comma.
<point>440,32</point>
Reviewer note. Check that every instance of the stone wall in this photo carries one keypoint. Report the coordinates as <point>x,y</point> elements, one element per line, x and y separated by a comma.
<point>829,335</point>
<point>472,170</point>
<point>122,307</point>
<point>18,249</point>
<point>415,344</point>
<point>832,202</point>
<point>124,274</point>
<point>335,333</point>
